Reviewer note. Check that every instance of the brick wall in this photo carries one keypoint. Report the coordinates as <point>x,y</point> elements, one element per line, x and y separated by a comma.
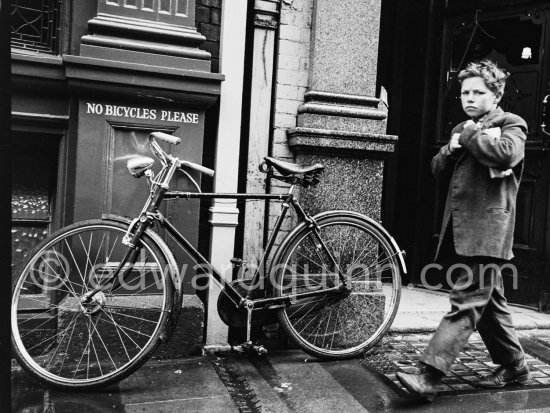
<point>208,20</point>
<point>291,83</point>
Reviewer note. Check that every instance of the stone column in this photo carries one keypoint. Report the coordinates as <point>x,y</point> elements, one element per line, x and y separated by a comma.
<point>341,123</point>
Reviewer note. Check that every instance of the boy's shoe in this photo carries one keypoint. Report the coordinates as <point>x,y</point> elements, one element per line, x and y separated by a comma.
<point>506,374</point>
<point>422,385</point>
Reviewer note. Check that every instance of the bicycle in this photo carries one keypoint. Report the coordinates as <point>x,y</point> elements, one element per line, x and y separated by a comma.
<point>96,298</point>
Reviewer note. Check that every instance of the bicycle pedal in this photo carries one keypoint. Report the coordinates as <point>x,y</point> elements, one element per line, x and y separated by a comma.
<point>249,347</point>
<point>260,350</point>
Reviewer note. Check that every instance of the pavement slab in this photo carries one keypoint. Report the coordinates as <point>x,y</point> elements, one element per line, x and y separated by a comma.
<point>176,385</point>
<point>421,310</point>
<point>286,381</point>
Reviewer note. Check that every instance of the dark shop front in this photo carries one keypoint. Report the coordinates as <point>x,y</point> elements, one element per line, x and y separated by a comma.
<point>90,81</point>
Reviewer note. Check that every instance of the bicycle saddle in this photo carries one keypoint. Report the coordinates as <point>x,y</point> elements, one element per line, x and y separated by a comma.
<point>287,168</point>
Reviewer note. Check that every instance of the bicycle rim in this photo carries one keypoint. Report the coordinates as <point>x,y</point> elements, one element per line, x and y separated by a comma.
<point>339,324</point>
<point>67,344</point>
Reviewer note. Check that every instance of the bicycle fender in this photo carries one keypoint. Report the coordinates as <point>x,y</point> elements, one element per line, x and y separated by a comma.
<point>328,214</point>
<point>379,227</point>
<point>159,242</point>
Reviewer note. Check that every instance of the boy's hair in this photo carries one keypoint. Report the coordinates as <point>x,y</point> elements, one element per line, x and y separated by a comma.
<point>493,76</point>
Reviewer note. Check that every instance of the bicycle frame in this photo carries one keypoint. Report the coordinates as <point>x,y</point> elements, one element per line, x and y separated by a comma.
<point>245,301</point>
<point>150,214</point>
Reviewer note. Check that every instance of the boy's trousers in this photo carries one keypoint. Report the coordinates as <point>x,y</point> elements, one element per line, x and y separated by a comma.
<point>477,301</point>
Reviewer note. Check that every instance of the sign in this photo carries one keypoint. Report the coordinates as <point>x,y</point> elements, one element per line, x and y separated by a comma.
<point>141,113</point>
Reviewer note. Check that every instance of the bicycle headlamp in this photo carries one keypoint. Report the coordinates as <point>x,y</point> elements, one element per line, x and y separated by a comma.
<point>137,166</point>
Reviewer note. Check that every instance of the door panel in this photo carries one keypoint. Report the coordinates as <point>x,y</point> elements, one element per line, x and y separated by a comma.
<point>517,41</point>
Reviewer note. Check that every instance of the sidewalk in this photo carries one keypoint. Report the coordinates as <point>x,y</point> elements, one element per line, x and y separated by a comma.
<point>291,381</point>
<point>420,311</point>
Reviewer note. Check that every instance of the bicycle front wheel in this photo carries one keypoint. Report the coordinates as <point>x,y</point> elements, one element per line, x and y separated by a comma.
<point>334,323</point>
<point>69,344</point>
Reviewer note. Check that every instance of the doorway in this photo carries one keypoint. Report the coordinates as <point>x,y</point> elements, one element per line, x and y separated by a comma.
<point>517,39</point>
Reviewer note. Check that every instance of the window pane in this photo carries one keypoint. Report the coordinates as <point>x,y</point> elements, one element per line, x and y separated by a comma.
<point>165,5</point>
<point>31,182</point>
<point>23,240</point>
<point>181,6</point>
<point>34,25</point>
<point>129,144</point>
<point>148,4</point>
<point>34,174</point>
<point>30,203</point>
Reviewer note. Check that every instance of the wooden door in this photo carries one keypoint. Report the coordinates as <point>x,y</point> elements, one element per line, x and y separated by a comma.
<point>518,40</point>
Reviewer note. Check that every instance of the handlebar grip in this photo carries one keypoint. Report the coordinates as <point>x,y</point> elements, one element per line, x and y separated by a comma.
<point>174,140</point>
<point>199,168</point>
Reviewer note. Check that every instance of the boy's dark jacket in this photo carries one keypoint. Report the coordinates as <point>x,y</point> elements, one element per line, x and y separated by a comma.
<point>483,208</point>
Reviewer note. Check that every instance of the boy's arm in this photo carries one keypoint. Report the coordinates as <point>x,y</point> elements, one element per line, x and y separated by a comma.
<point>502,152</point>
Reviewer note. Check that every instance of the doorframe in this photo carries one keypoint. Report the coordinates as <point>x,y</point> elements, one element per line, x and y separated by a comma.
<point>424,225</point>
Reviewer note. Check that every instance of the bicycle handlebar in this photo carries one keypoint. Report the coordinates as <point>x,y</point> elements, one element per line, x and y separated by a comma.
<point>174,140</point>
<point>197,167</point>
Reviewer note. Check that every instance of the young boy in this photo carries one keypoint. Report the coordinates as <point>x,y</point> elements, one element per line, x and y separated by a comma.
<point>485,155</point>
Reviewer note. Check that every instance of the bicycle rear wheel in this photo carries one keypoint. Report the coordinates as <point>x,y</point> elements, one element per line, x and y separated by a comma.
<point>342,324</point>
<point>66,344</point>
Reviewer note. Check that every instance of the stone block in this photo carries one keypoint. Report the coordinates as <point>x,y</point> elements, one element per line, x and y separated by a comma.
<point>281,151</point>
<point>212,3</point>
<point>293,77</point>
<point>285,120</point>
<point>350,183</point>
<point>288,62</point>
<point>216,17</point>
<point>213,48</point>
<point>293,48</point>
<point>288,92</point>
<point>341,123</point>
<point>287,106</point>
<point>188,336</point>
<point>202,15</point>
<point>346,37</point>
<point>294,33</point>
<point>186,340</point>
<point>210,31</point>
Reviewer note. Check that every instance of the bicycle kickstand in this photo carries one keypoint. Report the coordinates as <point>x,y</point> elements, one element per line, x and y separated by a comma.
<point>248,345</point>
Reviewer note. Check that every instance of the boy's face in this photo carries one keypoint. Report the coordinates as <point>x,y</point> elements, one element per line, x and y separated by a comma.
<point>477,99</point>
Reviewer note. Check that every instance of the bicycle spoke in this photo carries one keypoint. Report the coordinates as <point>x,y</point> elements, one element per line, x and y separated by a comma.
<point>66,347</point>
<point>77,267</point>
<point>73,345</point>
<point>122,330</point>
<point>346,322</point>
<point>102,342</point>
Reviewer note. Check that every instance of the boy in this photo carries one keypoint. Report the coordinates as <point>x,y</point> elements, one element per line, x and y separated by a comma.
<point>485,155</point>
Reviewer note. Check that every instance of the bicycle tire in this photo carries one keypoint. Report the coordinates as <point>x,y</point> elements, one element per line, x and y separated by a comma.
<point>71,346</point>
<point>344,324</point>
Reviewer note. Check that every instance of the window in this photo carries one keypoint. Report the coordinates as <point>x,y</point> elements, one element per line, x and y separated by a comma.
<point>35,25</point>
<point>181,12</point>
<point>34,177</point>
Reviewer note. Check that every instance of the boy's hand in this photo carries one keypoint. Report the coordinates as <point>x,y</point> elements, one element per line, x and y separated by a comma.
<point>453,143</point>
<point>493,132</point>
